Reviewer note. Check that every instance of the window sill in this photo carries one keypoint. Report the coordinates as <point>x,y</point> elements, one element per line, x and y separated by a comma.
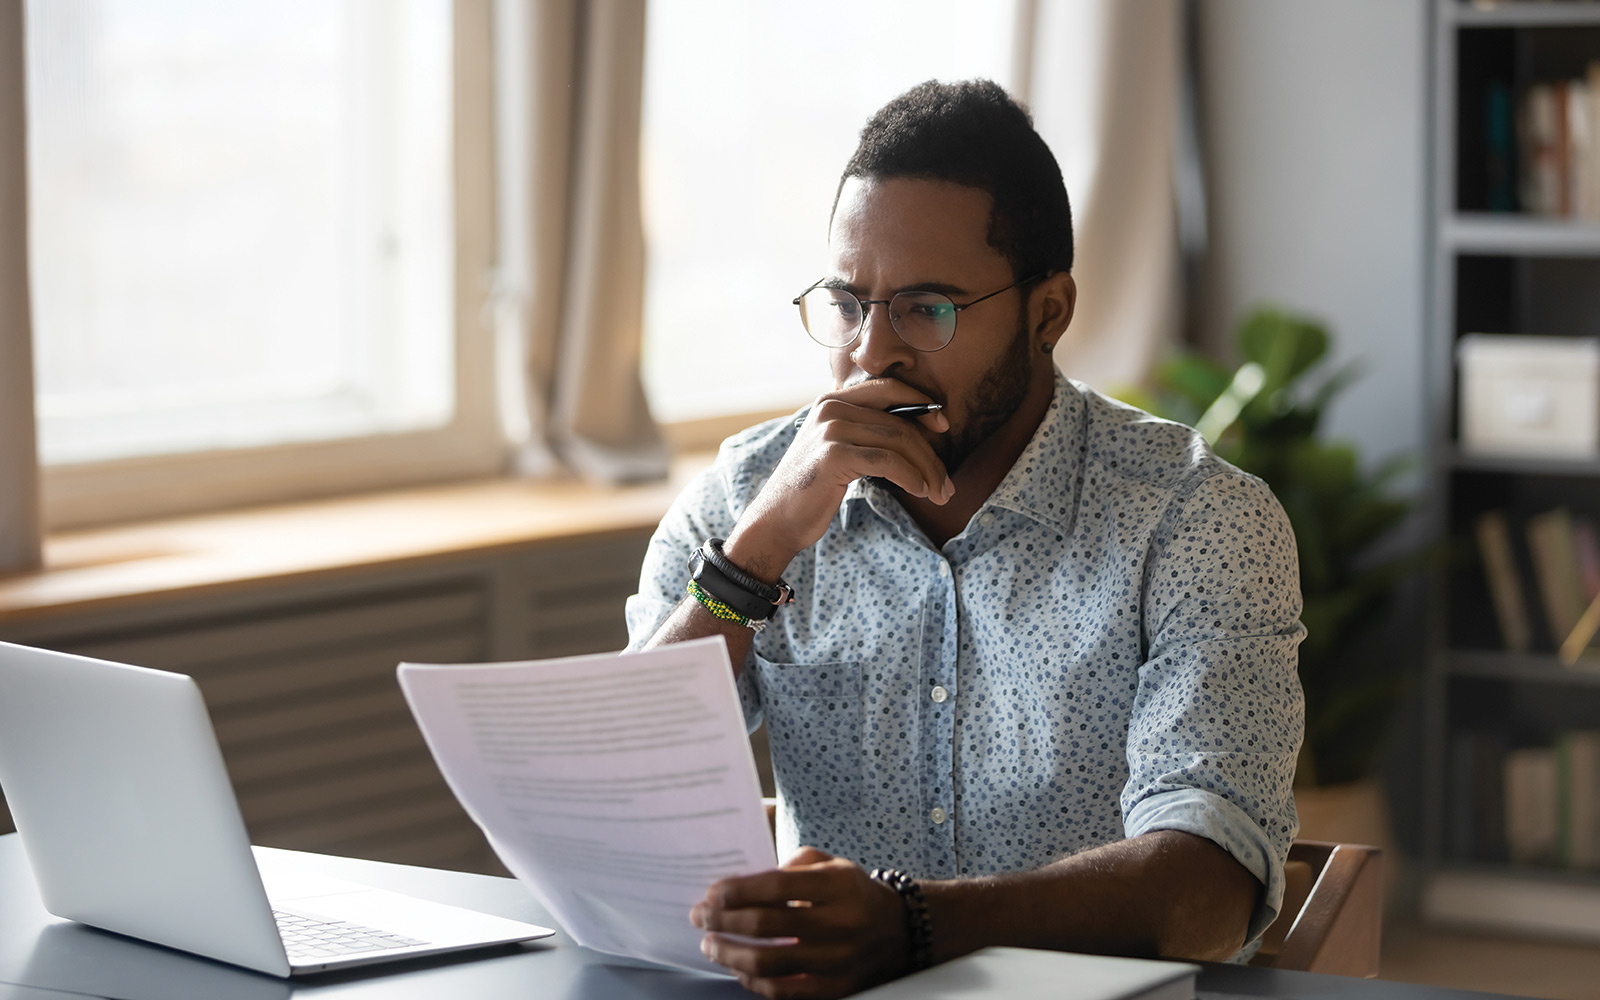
<point>200,556</point>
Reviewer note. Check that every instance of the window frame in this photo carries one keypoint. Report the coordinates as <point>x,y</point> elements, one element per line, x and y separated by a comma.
<point>472,444</point>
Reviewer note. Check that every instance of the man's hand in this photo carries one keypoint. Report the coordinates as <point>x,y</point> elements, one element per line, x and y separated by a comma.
<point>846,435</point>
<point>838,930</point>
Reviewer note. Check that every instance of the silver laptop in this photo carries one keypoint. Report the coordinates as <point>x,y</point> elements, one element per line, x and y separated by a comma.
<point>118,789</point>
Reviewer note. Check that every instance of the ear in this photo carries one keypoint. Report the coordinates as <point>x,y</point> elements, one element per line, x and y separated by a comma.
<point>1050,308</point>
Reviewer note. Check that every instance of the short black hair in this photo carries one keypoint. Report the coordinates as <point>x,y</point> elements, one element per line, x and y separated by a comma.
<point>974,134</point>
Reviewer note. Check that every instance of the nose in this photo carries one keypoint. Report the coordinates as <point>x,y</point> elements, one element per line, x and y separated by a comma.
<point>878,347</point>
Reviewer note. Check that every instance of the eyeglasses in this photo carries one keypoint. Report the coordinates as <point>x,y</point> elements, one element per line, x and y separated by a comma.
<point>926,321</point>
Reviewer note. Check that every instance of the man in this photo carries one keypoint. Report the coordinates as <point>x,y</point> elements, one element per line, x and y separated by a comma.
<point>1039,664</point>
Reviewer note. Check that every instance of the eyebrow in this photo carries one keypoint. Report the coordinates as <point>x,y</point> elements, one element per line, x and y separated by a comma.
<point>943,288</point>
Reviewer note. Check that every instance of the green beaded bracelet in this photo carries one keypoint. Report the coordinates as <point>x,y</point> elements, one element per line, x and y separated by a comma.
<point>721,610</point>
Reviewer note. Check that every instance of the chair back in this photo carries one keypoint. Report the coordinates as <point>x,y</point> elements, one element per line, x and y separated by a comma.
<point>1332,915</point>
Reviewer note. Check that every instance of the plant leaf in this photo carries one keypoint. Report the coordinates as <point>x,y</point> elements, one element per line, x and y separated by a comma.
<point>1286,346</point>
<point>1197,379</point>
<point>1325,469</point>
<point>1240,393</point>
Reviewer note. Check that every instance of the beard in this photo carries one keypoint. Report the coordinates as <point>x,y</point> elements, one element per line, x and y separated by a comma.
<point>993,401</point>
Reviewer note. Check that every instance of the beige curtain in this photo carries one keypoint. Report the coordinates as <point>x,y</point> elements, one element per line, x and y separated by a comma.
<point>569,296</point>
<point>1103,80</point>
<point>19,470</point>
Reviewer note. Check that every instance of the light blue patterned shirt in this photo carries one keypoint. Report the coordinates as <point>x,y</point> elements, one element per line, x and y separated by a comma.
<point>1107,649</point>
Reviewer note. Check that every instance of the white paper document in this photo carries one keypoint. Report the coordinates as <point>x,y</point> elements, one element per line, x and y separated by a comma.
<point>616,787</point>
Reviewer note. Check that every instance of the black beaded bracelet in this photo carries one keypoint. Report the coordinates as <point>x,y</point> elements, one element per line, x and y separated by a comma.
<point>918,922</point>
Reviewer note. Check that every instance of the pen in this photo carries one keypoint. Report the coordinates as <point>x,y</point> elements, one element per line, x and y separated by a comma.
<point>914,410</point>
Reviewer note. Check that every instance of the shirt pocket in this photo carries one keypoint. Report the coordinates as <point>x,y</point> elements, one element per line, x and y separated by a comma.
<point>813,713</point>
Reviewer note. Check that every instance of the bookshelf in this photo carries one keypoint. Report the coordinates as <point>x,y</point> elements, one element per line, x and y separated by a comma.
<point>1496,269</point>
<point>1514,465</point>
<point>1520,14</point>
<point>1494,235</point>
<point>1522,668</point>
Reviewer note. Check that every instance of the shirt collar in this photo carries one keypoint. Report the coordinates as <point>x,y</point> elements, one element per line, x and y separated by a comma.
<point>1043,484</point>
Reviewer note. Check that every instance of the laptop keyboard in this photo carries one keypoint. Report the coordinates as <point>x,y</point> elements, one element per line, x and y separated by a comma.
<point>309,937</point>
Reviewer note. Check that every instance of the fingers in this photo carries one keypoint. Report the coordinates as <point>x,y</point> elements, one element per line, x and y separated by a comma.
<point>773,961</point>
<point>880,394</point>
<point>861,441</point>
<point>820,883</point>
<point>809,922</point>
<point>935,421</point>
<point>819,926</point>
<point>845,437</point>
<point>811,897</point>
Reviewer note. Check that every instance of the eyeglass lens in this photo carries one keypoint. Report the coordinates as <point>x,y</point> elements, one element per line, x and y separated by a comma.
<point>924,320</point>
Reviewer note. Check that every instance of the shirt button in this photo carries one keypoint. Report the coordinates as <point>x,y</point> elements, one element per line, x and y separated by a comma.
<point>986,520</point>
<point>939,693</point>
<point>944,569</point>
<point>937,815</point>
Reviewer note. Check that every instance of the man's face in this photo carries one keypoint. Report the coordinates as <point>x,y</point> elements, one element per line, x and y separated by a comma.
<point>904,234</point>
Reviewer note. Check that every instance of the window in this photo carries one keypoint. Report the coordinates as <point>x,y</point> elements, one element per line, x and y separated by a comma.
<point>245,242</point>
<point>751,110</point>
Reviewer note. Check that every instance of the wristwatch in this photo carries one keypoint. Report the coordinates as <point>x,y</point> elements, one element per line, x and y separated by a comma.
<point>716,574</point>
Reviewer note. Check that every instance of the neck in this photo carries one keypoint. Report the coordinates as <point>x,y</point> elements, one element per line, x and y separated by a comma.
<point>983,470</point>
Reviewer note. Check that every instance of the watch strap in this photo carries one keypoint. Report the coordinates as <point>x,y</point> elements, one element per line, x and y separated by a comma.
<point>714,573</point>
<point>771,593</point>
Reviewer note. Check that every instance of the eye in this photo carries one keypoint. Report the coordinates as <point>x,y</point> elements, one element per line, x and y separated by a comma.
<point>847,307</point>
<point>931,311</point>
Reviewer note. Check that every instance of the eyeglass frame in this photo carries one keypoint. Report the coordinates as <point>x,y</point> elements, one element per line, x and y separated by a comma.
<point>867,304</point>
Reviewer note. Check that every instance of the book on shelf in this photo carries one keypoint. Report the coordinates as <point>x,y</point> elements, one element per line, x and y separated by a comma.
<point>1531,805</point>
<point>1559,572</point>
<point>1586,553</point>
<point>1505,584</point>
<point>1502,148</point>
<point>1533,808</point>
<point>1587,540</point>
<point>1557,138</point>
<point>1578,783</point>
<point>1588,173</point>
<point>1553,546</point>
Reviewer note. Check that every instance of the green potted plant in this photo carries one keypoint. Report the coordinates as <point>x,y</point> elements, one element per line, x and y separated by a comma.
<point>1265,417</point>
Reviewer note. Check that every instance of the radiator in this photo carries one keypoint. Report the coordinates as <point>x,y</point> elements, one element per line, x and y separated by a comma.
<point>322,751</point>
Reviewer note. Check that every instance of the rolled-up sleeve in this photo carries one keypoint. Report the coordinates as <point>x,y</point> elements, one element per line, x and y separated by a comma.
<point>1218,715</point>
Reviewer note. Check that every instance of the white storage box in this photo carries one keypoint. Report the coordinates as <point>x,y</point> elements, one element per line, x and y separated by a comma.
<point>1525,395</point>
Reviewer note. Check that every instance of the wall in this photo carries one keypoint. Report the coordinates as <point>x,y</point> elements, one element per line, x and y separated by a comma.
<point>1314,128</point>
